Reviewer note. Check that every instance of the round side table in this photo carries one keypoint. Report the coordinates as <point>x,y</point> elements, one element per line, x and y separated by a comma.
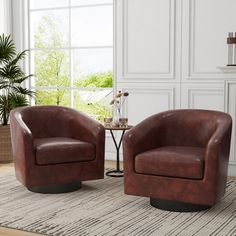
<point>117,172</point>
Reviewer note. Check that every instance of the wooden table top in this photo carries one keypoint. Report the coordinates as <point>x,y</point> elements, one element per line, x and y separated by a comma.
<point>118,128</point>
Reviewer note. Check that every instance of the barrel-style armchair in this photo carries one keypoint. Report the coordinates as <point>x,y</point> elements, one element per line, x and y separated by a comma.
<point>179,159</point>
<point>55,148</point>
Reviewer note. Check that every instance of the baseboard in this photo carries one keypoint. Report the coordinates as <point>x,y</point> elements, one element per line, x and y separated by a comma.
<point>232,169</point>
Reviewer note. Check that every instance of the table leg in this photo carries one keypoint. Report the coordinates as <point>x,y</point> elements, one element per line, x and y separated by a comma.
<point>117,172</point>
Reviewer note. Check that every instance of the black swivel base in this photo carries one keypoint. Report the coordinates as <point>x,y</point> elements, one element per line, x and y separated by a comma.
<point>176,206</point>
<point>56,188</point>
<point>115,173</point>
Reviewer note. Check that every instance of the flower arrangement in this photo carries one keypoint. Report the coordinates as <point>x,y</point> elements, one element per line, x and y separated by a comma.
<point>118,104</point>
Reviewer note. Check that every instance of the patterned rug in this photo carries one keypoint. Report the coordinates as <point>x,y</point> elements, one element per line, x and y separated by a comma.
<point>101,208</point>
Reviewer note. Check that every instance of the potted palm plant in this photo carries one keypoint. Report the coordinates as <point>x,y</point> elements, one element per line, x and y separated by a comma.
<point>12,92</point>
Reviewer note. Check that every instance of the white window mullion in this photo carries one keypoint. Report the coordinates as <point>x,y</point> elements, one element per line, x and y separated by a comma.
<point>71,7</point>
<point>73,88</point>
<point>67,48</point>
<point>70,62</point>
<point>28,42</point>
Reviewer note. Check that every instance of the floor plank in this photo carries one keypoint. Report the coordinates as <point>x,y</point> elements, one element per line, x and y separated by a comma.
<point>13,232</point>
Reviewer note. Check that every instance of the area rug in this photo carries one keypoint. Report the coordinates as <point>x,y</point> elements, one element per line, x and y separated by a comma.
<point>101,208</point>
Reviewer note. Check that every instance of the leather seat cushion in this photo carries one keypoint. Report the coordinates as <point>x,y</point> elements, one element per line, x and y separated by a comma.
<point>172,161</point>
<point>62,150</point>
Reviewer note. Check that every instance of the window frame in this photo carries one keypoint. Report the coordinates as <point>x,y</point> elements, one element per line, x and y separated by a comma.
<point>28,64</point>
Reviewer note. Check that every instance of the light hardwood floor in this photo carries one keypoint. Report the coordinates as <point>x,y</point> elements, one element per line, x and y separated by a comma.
<point>4,168</point>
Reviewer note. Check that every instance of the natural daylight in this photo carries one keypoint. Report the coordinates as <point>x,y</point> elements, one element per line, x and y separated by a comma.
<point>71,48</point>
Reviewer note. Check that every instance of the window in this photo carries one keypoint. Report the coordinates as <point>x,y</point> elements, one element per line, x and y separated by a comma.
<point>71,53</point>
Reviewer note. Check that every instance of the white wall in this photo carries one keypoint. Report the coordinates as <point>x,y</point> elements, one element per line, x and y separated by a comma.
<point>168,52</point>
<point>1,17</point>
<point>5,17</point>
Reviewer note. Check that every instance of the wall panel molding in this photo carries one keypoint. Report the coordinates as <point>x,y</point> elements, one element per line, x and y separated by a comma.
<point>204,38</point>
<point>132,66</point>
<point>230,107</point>
<point>198,96</point>
<point>146,101</point>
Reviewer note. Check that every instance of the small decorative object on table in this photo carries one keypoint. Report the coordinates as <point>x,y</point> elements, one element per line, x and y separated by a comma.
<point>120,109</point>
<point>123,122</point>
<point>108,122</point>
<point>231,41</point>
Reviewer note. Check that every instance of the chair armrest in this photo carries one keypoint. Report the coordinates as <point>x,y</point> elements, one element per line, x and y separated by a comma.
<point>22,141</point>
<point>85,128</point>
<point>140,138</point>
<point>217,151</point>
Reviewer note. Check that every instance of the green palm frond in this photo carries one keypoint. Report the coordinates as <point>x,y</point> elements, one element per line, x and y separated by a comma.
<point>11,71</point>
<point>19,56</point>
<point>22,91</point>
<point>17,100</point>
<point>7,48</point>
<point>22,79</point>
<point>4,85</point>
<point>4,109</point>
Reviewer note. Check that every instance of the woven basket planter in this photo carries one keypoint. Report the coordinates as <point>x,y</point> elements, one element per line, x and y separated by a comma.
<point>5,144</point>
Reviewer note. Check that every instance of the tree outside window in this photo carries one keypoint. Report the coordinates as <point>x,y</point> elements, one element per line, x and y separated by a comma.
<point>68,73</point>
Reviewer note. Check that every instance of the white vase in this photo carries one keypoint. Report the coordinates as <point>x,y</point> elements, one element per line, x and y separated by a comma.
<point>116,116</point>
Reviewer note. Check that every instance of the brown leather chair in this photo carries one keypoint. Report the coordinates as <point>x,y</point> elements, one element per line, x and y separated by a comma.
<point>179,159</point>
<point>55,148</point>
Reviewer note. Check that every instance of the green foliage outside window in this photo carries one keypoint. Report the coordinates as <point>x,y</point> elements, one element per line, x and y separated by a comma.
<point>97,80</point>
<point>51,69</point>
<point>50,97</point>
<point>96,110</point>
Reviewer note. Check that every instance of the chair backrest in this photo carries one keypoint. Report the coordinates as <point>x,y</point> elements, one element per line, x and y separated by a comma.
<point>47,121</point>
<point>189,127</point>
